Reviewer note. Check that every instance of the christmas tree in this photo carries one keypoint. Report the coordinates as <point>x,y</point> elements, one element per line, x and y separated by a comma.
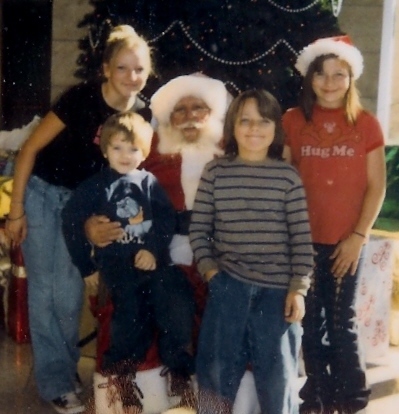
<point>244,43</point>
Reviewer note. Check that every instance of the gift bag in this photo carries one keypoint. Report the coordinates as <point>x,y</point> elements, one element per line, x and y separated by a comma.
<point>374,297</point>
<point>18,321</point>
<point>394,322</point>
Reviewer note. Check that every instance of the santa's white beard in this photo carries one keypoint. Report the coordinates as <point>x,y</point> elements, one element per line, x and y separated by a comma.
<point>194,154</point>
<point>171,139</point>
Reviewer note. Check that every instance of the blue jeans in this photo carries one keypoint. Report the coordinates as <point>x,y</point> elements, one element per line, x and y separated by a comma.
<point>244,323</point>
<point>336,376</point>
<point>55,291</point>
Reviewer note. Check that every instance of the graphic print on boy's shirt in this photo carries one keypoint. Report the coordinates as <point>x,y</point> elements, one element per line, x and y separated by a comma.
<point>130,206</point>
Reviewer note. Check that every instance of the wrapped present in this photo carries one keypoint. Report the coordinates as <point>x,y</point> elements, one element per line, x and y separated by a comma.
<point>374,297</point>
<point>18,321</point>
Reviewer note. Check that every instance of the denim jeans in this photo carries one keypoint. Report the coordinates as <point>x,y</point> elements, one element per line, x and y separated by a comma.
<point>55,291</point>
<point>144,301</point>
<point>335,371</point>
<point>244,323</point>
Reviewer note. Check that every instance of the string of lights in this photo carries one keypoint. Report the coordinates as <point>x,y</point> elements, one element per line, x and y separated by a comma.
<point>95,44</point>
<point>289,10</point>
<point>336,7</point>
<point>198,39</point>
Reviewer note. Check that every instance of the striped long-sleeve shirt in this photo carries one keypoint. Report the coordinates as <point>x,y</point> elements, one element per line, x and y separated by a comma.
<point>251,220</point>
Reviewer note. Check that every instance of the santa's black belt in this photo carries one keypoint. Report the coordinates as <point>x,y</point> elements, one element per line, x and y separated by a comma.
<point>183,218</point>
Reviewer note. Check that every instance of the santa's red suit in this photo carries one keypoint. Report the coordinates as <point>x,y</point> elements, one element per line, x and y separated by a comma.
<point>179,174</point>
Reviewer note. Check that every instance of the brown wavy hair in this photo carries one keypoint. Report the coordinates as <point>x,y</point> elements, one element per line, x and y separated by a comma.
<point>268,107</point>
<point>134,128</point>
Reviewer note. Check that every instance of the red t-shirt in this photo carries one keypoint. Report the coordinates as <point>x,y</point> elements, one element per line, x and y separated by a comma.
<point>331,157</point>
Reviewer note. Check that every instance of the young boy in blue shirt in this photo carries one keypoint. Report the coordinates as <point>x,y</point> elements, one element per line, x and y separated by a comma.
<point>146,291</point>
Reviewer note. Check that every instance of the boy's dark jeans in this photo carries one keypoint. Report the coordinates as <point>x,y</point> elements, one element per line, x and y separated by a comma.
<point>335,374</point>
<point>159,301</point>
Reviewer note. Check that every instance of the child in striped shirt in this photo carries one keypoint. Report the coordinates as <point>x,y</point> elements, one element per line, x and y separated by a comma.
<point>251,240</point>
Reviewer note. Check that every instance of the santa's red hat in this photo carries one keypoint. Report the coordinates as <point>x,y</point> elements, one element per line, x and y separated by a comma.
<point>212,91</point>
<point>341,46</point>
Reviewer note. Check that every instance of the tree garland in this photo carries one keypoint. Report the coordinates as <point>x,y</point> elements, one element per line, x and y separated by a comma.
<point>289,10</point>
<point>336,6</point>
<point>213,57</point>
<point>192,33</point>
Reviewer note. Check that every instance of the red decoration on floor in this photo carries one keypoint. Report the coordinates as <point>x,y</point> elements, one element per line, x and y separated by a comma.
<point>18,321</point>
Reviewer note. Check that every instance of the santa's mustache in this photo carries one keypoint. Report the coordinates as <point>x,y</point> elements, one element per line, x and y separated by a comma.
<point>190,124</point>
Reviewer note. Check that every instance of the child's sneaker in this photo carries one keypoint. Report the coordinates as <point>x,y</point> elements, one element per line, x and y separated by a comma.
<point>123,389</point>
<point>176,382</point>
<point>68,403</point>
<point>180,385</point>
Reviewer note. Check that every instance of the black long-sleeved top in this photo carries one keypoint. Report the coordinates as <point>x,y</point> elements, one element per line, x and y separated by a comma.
<point>137,201</point>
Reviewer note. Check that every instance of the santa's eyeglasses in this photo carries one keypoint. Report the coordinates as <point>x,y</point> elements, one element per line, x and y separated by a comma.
<point>196,110</point>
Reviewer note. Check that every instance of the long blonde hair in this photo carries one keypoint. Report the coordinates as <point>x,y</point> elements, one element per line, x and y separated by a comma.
<point>125,37</point>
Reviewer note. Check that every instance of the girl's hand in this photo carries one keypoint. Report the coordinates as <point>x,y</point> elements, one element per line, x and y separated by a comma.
<point>16,228</point>
<point>92,282</point>
<point>294,307</point>
<point>346,256</point>
<point>144,260</point>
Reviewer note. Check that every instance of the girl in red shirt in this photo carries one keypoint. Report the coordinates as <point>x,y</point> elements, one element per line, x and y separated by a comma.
<point>338,149</point>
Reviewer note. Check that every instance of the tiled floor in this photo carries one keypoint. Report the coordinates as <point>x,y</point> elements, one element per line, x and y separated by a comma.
<point>18,394</point>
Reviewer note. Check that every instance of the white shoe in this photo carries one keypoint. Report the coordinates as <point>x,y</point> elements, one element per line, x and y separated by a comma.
<point>68,403</point>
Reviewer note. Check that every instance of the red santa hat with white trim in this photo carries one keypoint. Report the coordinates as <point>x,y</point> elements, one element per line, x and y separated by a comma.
<point>341,46</point>
<point>211,91</point>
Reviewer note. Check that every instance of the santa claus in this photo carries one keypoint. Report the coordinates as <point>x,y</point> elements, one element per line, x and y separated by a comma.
<point>188,115</point>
